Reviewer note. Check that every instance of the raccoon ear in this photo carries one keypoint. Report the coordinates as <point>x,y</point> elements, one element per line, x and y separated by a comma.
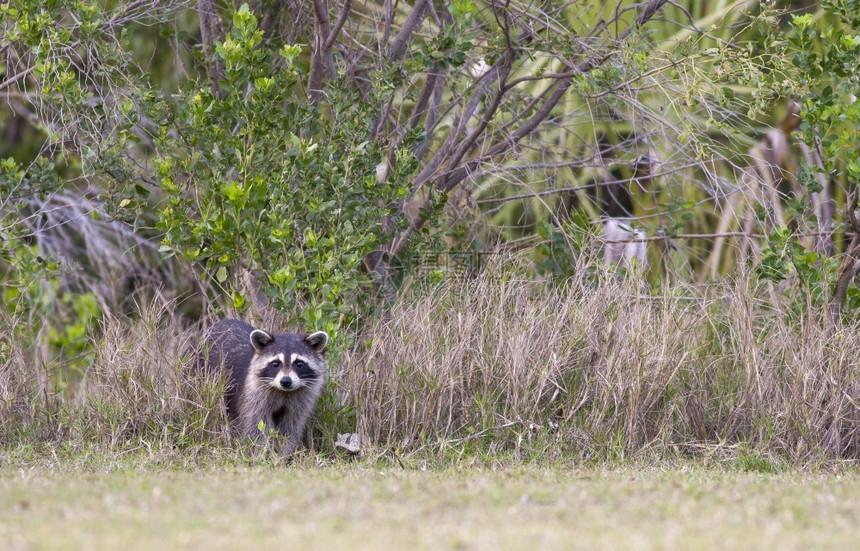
<point>259,339</point>
<point>317,340</point>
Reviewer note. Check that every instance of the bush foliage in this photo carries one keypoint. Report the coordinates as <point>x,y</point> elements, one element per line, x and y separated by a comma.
<point>258,181</point>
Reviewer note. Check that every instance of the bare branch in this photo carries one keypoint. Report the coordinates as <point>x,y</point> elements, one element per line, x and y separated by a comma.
<point>446,182</point>
<point>416,16</point>
<point>322,63</point>
<point>432,117</point>
<point>208,37</point>
<point>321,60</point>
<point>504,70</point>
<point>344,14</point>
<point>543,112</point>
<point>424,96</point>
<point>12,80</point>
<point>850,266</point>
<point>271,16</point>
<point>455,135</point>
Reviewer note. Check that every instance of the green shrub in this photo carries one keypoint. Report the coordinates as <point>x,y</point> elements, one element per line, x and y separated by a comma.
<point>261,183</point>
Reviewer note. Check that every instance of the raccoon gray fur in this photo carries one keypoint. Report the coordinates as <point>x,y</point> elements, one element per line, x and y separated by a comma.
<point>273,378</point>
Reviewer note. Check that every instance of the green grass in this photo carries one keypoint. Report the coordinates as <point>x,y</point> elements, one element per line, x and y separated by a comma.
<point>357,507</point>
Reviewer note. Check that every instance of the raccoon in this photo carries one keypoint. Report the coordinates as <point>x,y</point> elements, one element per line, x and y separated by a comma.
<point>273,378</point>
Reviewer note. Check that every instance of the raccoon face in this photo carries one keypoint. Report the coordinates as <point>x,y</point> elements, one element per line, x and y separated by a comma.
<point>287,375</point>
<point>288,362</point>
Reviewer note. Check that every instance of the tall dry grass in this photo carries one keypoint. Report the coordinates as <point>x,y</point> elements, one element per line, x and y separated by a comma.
<point>603,368</point>
<point>500,360</point>
<point>137,391</point>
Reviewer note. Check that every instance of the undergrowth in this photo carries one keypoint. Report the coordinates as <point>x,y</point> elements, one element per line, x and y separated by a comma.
<point>498,367</point>
<point>601,369</point>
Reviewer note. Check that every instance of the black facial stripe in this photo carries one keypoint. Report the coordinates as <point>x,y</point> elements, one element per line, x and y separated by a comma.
<point>303,370</point>
<point>272,368</point>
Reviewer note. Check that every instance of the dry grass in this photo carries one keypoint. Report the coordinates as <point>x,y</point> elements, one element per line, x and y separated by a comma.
<point>603,369</point>
<point>137,391</point>
<point>499,365</point>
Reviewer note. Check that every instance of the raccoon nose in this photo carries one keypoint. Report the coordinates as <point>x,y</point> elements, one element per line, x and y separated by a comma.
<point>287,382</point>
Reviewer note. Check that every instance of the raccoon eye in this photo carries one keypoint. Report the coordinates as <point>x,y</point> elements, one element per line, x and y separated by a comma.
<point>300,364</point>
<point>275,363</point>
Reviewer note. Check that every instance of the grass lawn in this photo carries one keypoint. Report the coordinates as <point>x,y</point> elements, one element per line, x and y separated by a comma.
<point>349,507</point>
